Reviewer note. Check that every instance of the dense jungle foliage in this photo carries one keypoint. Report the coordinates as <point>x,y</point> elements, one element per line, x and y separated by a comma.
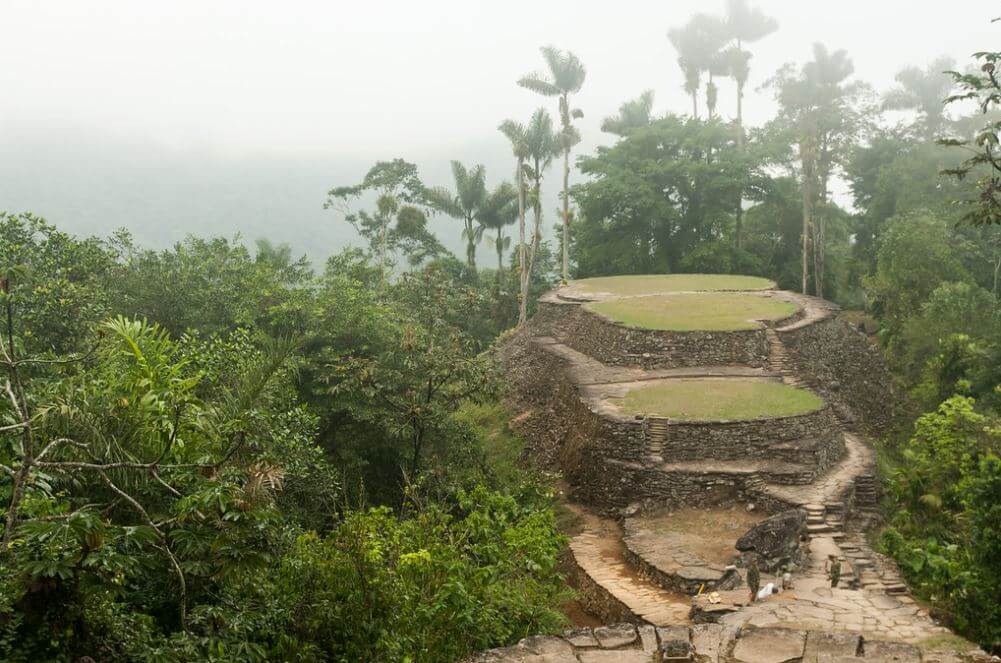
<point>216,454</point>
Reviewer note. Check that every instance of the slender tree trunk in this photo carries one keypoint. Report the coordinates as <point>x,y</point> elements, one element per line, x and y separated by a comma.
<point>695,104</point>
<point>807,186</point>
<point>997,270</point>
<point>500,256</point>
<point>536,235</point>
<point>470,246</point>
<point>818,254</point>
<point>739,230</point>
<point>519,178</point>
<point>566,215</point>
<point>383,242</point>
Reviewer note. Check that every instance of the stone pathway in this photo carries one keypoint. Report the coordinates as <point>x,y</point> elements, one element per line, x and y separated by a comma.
<point>717,643</point>
<point>585,370</point>
<point>858,461</point>
<point>789,473</point>
<point>814,310</point>
<point>600,553</point>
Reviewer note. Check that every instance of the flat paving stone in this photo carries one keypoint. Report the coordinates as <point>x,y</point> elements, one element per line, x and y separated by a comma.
<point>610,637</point>
<point>822,646</point>
<point>891,652</point>
<point>581,637</point>
<point>770,646</point>
<point>628,656</point>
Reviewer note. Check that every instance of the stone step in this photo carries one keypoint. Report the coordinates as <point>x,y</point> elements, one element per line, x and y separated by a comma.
<point>818,529</point>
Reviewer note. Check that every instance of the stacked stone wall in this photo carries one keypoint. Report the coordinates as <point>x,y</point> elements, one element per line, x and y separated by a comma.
<point>849,372</point>
<point>615,344</point>
<point>808,438</point>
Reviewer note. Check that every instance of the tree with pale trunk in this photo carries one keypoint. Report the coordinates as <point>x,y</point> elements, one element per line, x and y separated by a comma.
<point>517,134</point>
<point>824,114</point>
<point>565,77</point>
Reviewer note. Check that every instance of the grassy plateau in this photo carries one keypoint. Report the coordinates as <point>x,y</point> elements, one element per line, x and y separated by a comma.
<point>702,399</point>
<point>642,284</point>
<point>701,311</point>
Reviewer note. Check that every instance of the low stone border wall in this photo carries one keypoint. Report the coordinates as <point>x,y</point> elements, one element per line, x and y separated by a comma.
<point>675,582</point>
<point>594,598</point>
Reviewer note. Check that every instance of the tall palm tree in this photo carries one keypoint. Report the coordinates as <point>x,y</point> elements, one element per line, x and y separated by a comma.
<point>923,90</point>
<point>500,209</point>
<point>463,204</point>
<point>516,133</point>
<point>685,45</point>
<point>543,144</point>
<point>744,25</point>
<point>566,77</point>
<point>633,114</point>
<point>697,44</point>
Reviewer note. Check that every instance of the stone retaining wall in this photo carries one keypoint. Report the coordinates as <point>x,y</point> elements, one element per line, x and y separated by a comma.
<point>606,460</point>
<point>811,438</point>
<point>616,345</point>
<point>849,372</point>
<point>595,599</point>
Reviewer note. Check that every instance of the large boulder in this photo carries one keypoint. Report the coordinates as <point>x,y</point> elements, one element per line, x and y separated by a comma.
<point>774,542</point>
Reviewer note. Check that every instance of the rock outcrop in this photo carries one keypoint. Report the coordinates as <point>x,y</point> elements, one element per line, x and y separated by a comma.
<point>775,542</point>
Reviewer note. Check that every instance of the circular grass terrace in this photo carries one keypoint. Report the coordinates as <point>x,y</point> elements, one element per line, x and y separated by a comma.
<point>715,399</point>
<point>696,311</point>
<point>645,284</point>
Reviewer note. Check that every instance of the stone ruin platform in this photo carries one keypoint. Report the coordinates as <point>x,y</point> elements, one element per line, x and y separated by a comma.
<point>569,369</point>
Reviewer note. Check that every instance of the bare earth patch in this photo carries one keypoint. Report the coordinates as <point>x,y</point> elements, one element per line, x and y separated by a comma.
<point>708,533</point>
<point>708,399</point>
<point>702,311</point>
<point>642,284</point>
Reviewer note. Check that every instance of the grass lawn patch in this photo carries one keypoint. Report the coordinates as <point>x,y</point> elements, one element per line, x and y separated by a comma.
<point>702,311</point>
<point>701,399</point>
<point>641,284</point>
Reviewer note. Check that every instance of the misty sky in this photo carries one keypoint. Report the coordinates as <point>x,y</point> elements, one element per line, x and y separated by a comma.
<point>237,115</point>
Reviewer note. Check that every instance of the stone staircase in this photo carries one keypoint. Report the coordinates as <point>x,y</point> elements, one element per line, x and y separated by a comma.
<point>657,431</point>
<point>780,361</point>
<point>866,491</point>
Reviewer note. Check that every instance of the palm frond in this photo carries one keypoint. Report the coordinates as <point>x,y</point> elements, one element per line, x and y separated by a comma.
<point>441,199</point>
<point>539,85</point>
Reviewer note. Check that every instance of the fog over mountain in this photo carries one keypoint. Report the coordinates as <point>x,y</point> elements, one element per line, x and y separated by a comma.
<point>229,117</point>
